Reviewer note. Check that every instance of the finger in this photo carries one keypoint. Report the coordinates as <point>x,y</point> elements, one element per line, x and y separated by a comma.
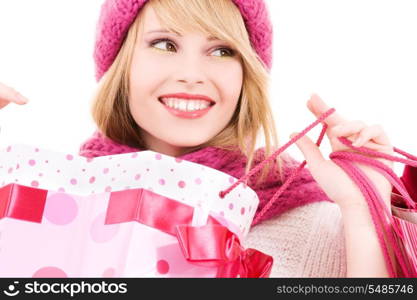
<point>317,106</point>
<point>348,129</point>
<point>8,94</point>
<point>375,133</point>
<point>311,152</point>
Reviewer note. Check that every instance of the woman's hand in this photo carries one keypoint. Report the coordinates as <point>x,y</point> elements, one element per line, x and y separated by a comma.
<point>9,95</point>
<point>332,179</point>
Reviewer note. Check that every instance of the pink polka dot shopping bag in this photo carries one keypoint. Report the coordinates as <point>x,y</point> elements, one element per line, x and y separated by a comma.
<point>140,214</point>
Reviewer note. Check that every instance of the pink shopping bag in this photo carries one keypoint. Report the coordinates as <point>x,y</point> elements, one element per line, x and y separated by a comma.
<point>140,214</point>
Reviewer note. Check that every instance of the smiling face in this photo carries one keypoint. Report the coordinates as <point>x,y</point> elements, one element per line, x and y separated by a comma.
<point>191,64</point>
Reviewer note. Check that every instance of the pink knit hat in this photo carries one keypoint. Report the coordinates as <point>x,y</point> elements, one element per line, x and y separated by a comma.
<point>117,15</point>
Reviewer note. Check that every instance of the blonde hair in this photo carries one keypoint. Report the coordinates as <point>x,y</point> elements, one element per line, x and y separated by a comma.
<point>222,19</point>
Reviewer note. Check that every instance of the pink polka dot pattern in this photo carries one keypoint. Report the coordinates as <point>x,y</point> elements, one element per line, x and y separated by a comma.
<point>101,233</point>
<point>162,266</point>
<point>137,176</point>
<point>34,183</point>
<point>73,181</point>
<point>9,148</point>
<point>92,179</point>
<point>107,189</point>
<point>181,184</point>
<point>231,206</point>
<point>106,170</point>
<point>178,160</point>
<point>158,156</point>
<point>50,272</point>
<point>69,157</point>
<point>242,211</point>
<point>10,170</point>
<point>161,181</point>
<point>134,155</point>
<point>198,181</point>
<point>60,209</point>
<point>32,162</point>
<point>231,180</point>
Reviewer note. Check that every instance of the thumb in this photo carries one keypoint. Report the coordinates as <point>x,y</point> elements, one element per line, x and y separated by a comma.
<point>311,152</point>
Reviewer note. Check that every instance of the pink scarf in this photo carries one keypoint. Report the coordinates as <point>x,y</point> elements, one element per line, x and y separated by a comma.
<point>303,190</point>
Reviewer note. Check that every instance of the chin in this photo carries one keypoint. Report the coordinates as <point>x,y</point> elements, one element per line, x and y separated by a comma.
<point>187,142</point>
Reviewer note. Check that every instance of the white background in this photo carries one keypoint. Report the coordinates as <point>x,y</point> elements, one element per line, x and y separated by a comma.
<point>360,56</point>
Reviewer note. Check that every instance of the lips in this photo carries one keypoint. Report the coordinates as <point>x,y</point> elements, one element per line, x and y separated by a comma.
<point>185,96</point>
<point>187,114</point>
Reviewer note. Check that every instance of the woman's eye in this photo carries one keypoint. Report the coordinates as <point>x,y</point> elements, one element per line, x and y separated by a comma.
<point>170,46</point>
<point>168,42</point>
<point>229,52</point>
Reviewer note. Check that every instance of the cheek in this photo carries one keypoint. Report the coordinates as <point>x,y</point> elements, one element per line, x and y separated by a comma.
<point>230,83</point>
<point>146,71</point>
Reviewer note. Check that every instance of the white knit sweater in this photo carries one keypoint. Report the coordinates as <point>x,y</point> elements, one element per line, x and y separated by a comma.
<point>307,241</point>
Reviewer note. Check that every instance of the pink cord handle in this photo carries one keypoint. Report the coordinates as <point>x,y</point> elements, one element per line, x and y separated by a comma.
<point>380,213</point>
<point>243,179</point>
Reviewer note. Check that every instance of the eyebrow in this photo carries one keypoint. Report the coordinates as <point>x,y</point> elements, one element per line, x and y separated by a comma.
<point>210,38</point>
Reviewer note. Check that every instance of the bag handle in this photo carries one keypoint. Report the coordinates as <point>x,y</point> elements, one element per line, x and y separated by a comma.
<point>222,194</point>
<point>380,213</point>
<point>381,216</point>
<point>378,166</point>
<point>412,161</point>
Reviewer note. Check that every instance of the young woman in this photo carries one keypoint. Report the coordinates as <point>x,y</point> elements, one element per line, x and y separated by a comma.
<point>189,78</point>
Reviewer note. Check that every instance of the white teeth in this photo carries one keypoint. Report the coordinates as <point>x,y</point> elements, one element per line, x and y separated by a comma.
<point>185,105</point>
<point>171,102</point>
<point>190,106</point>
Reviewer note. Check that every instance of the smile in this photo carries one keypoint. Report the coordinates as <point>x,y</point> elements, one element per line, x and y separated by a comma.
<point>186,108</point>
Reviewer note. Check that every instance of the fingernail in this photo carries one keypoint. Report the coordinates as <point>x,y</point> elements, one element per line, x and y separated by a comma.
<point>22,98</point>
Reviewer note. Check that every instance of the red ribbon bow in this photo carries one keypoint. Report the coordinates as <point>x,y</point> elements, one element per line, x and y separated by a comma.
<point>212,245</point>
<point>217,246</point>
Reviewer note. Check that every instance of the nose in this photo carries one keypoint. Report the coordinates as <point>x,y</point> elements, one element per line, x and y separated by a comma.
<point>191,70</point>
